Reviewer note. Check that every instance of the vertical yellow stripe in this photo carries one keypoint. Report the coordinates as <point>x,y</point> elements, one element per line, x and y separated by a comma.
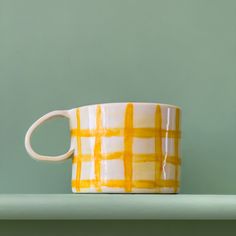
<point>97,149</point>
<point>158,145</point>
<point>79,155</point>
<point>128,143</point>
<point>176,144</point>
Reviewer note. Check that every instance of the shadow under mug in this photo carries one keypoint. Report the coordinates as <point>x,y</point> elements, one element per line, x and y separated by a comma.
<point>121,147</point>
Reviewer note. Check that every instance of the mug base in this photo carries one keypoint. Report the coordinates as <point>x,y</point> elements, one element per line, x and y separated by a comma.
<point>163,190</point>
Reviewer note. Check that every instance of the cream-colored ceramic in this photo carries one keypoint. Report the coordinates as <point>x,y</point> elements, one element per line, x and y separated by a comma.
<point>121,147</point>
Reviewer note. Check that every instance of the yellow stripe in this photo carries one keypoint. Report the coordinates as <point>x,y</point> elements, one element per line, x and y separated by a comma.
<point>78,159</point>
<point>105,132</point>
<point>104,156</point>
<point>136,158</point>
<point>153,184</point>
<point>176,144</point>
<point>85,183</point>
<point>114,183</point>
<point>97,148</point>
<point>136,132</point>
<point>144,184</point>
<point>158,145</point>
<point>128,143</point>
<point>104,183</point>
<point>155,157</point>
<point>122,183</point>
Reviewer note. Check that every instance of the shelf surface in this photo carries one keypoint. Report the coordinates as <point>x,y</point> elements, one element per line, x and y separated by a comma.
<point>116,206</point>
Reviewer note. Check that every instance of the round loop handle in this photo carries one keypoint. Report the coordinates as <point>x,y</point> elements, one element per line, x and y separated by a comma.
<point>30,131</point>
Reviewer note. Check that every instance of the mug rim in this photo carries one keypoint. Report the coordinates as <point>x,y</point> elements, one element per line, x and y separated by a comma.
<point>135,103</point>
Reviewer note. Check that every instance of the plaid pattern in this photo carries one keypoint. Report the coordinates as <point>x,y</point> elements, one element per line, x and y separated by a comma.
<point>126,148</point>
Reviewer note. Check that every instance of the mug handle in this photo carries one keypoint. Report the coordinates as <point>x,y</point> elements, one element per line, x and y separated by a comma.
<point>30,131</point>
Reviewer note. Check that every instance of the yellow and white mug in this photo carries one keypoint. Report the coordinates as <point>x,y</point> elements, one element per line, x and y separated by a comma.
<point>121,147</point>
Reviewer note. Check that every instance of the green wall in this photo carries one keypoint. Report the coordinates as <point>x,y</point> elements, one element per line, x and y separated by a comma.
<point>63,54</point>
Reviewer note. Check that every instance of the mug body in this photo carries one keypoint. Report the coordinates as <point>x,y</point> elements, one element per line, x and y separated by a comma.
<point>126,148</point>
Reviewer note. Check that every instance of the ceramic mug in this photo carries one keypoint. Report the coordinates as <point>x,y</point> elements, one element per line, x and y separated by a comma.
<point>121,147</point>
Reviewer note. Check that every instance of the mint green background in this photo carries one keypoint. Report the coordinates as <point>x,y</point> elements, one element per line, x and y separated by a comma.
<point>63,54</point>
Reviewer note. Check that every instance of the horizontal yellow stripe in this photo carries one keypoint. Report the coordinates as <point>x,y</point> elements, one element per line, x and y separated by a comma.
<point>135,132</point>
<point>153,184</point>
<point>114,183</point>
<point>136,158</point>
<point>153,157</point>
<point>104,156</point>
<point>84,183</point>
<point>93,183</point>
<point>121,183</point>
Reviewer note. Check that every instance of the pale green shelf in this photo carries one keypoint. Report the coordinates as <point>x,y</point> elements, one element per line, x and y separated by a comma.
<point>116,206</point>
